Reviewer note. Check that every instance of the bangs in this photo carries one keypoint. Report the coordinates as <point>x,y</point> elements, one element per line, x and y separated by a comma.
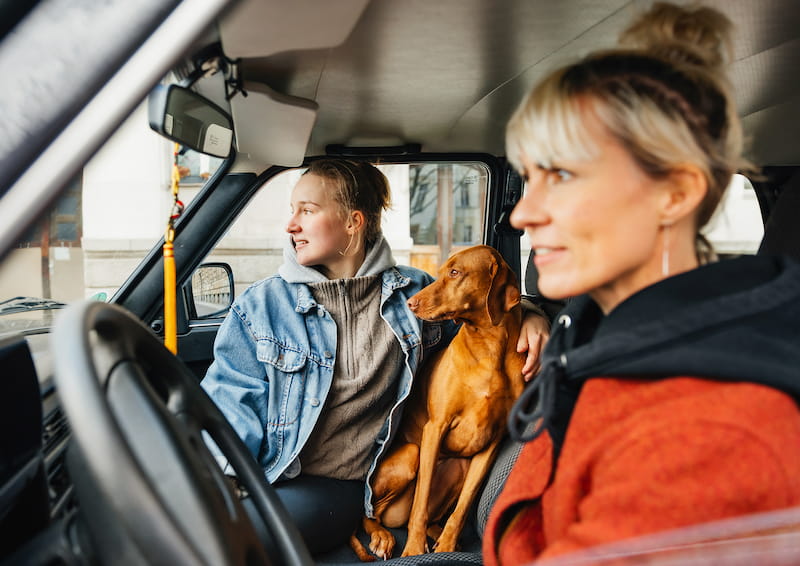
<point>549,126</point>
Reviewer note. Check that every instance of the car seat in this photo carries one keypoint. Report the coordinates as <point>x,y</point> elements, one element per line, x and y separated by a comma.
<point>782,231</point>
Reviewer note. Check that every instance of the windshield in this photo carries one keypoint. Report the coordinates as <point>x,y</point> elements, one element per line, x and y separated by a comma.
<point>100,229</point>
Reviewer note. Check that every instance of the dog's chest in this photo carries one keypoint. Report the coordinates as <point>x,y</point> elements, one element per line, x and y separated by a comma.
<point>471,431</point>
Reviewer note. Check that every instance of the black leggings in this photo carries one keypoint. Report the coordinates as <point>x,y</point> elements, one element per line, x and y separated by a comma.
<point>326,511</point>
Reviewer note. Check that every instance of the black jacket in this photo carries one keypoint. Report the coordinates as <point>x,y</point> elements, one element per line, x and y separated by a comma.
<point>734,320</point>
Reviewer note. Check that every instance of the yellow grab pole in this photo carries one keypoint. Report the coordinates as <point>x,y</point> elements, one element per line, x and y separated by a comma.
<point>170,284</point>
<point>170,307</point>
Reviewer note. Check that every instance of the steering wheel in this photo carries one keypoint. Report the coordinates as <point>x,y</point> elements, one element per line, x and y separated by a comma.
<point>140,422</point>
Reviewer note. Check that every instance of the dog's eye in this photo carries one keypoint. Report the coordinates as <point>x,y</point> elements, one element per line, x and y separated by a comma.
<point>454,273</point>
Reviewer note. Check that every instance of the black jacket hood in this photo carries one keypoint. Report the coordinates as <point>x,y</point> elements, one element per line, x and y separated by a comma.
<point>734,320</point>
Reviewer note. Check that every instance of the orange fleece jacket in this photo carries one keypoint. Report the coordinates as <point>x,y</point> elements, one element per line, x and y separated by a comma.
<point>644,456</point>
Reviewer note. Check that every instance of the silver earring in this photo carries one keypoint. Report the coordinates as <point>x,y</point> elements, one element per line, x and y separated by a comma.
<point>350,243</point>
<point>665,252</point>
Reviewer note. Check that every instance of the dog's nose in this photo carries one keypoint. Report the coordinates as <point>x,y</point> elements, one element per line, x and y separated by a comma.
<point>413,304</point>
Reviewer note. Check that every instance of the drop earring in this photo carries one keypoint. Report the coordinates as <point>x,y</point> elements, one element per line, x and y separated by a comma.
<point>665,251</point>
<point>350,243</point>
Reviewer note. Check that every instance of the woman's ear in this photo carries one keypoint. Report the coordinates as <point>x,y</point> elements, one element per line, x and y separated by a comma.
<point>355,222</point>
<point>686,187</point>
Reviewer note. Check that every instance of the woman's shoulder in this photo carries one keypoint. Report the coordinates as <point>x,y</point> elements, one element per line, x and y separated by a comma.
<point>274,288</point>
<point>415,274</point>
<point>266,284</point>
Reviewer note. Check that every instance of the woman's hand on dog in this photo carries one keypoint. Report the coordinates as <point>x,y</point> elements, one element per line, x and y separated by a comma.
<point>532,337</point>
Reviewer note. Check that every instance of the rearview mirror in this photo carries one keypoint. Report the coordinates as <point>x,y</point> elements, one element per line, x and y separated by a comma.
<point>188,118</point>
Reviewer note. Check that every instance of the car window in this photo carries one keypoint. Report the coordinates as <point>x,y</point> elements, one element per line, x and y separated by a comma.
<point>437,209</point>
<point>101,228</point>
<point>735,229</point>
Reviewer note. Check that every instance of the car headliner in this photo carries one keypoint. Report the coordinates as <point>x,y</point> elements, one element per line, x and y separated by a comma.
<point>448,73</point>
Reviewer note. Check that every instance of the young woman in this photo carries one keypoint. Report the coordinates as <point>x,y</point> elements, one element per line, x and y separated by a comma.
<point>312,365</point>
<point>668,394</point>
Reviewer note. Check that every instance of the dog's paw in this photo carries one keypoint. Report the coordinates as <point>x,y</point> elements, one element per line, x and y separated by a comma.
<point>446,542</point>
<point>414,549</point>
<point>381,543</point>
<point>445,546</point>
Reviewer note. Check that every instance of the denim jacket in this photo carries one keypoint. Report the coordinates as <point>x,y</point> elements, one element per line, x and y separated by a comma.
<point>274,357</point>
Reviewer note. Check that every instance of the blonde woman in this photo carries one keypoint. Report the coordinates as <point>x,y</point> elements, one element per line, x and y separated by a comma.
<point>668,394</point>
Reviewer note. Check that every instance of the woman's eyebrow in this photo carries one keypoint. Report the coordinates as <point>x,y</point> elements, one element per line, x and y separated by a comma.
<point>304,202</point>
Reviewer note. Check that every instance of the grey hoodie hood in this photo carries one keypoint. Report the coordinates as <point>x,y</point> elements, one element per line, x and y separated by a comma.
<point>379,259</point>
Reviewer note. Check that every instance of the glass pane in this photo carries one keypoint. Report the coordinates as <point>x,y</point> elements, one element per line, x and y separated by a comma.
<point>446,210</point>
<point>211,290</point>
<point>736,228</point>
<point>437,208</point>
<point>108,220</point>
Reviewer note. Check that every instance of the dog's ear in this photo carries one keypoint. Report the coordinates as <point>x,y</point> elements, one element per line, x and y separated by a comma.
<point>504,293</point>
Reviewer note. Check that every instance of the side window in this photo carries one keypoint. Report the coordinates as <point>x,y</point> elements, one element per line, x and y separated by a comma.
<point>735,229</point>
<point>437,208</point>
<point>446,210</point>
<point>108,219</point>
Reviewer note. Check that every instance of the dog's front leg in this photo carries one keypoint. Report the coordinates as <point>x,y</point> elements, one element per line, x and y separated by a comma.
<point>478,468</point>
<point>432,435</point>
<point>393,491</point>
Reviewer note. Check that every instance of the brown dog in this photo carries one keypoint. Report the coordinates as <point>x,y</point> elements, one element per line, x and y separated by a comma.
<point>456,415</point>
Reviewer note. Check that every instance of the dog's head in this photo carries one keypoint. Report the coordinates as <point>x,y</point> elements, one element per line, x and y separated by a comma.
<point>473,284</point>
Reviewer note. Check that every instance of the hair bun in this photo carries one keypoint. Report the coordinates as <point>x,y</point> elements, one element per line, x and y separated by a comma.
<point>695,35</point>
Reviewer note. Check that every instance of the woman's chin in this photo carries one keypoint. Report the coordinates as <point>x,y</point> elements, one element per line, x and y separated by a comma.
<point>554,289</point>
<point>304,259</point>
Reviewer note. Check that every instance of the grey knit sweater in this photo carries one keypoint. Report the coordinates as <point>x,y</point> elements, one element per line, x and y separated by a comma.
<point>367,360</point>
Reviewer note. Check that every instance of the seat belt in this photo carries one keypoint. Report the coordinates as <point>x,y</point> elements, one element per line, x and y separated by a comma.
<point>506,236</point>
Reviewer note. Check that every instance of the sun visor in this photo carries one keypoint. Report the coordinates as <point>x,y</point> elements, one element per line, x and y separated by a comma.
<point>259,28</point>
<point>288,119</point>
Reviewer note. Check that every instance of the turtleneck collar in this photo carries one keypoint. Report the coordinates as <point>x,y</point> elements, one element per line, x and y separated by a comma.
<point>378,259</point>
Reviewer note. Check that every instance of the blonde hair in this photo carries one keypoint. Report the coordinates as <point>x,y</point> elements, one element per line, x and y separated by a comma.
<point>663,95</point>
<point>357,185</point>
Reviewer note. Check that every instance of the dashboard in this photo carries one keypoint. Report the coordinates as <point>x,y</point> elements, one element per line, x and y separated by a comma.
<point>36,494</point>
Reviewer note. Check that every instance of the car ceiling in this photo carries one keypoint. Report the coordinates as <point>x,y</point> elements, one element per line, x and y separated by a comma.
<point>448,73</point>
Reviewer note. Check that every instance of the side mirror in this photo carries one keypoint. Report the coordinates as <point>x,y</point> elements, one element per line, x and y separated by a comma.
<point>210,291</point>
<point>190,119</point>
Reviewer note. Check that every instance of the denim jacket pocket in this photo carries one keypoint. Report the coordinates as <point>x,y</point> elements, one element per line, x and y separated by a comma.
<point>284,359</point>
<point>286,371</point>
<point>431,335</point>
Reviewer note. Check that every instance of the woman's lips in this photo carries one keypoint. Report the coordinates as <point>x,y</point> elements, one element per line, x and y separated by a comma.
<point>545,254</point>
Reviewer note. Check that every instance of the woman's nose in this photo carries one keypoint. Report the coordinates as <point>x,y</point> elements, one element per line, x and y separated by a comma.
<point>291,225</point>
<point>529,210</point>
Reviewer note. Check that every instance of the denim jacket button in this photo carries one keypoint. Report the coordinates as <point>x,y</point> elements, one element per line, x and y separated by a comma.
<point>327,354</point>
<point>315,402</point>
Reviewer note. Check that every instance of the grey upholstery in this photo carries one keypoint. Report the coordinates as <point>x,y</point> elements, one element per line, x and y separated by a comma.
<point>495,481</point>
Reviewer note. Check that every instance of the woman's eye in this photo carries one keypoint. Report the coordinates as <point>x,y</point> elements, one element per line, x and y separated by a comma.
<point>556,175</point>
